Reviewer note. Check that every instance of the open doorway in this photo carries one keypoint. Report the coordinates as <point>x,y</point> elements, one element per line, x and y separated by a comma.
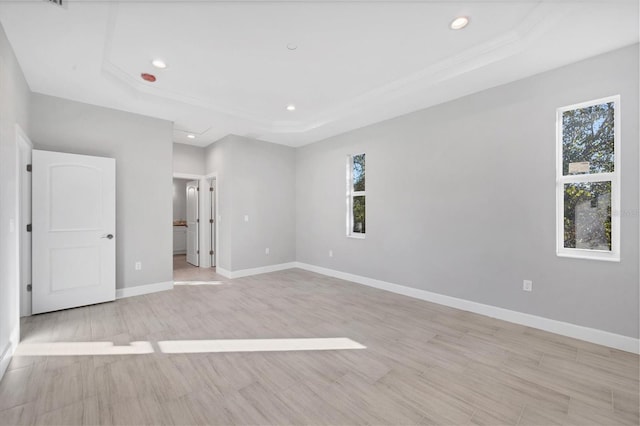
<point>180,222</point>
<point>194,228</point>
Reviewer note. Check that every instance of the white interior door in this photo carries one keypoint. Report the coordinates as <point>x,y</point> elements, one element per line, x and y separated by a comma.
<point>212,221</point>
<point>192,223</point>
<point>74,222</point>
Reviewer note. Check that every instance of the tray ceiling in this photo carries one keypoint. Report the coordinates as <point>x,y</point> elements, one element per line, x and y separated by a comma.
<point>234,67</point>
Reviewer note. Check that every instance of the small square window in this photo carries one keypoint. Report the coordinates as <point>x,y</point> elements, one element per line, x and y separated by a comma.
<point>588,136</point>
<point>587,216</point>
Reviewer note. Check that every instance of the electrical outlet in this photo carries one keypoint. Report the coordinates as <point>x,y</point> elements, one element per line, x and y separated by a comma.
<point>527,285</point>
<point>266,251</point>
<point>138,266</point>
<point>330,253</point>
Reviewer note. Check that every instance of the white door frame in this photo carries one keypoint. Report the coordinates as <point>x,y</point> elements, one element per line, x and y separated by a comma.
<point>204,212</point>
<point>213,183</point>
<point>23,145</point>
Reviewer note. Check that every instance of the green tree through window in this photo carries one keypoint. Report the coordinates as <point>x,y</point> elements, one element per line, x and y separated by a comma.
<point>356,215</point>
<point>588,180</point>
<point>588,137</point>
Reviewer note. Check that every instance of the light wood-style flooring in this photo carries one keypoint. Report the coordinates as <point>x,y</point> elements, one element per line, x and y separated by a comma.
<point>184,271</point>
<point>423,363</point>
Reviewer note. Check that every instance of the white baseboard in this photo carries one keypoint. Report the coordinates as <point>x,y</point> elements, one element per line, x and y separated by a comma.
<point>600,337</point>
<point>255,271</point>
<point>9,349</point>
<point>139,290</point>
<point>224,272</point>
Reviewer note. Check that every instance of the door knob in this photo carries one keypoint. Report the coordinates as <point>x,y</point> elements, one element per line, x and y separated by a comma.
<point>109,236</point>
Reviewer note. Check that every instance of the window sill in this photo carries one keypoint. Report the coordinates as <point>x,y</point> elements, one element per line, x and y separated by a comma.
<point>590,255</point>
<point>356,236</point>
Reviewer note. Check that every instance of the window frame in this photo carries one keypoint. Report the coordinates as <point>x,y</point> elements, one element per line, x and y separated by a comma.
<point>351,194</point>
<point>612,255</point>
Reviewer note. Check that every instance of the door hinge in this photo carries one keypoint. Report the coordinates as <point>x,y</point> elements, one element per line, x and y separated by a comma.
<point>29,228</point>
<point>198,189</point>
<point>211,252</point>
<point>197,251</point>
<point>211,189</point>
<point>29,167</point>
<point>197,220</point>
<point>210,220</point>
<point>28,287</point>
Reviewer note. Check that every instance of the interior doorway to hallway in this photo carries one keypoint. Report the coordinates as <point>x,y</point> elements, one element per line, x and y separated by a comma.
<point>194,227</point>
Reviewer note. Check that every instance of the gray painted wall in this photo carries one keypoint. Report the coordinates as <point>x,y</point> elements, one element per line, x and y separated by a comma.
<point>188,159</point>
<point>256,179</point>
<point>264,189</point>
<point>142,147</point>
<point>14,100</point>
<point>218,157</point>
<point>461,200</point>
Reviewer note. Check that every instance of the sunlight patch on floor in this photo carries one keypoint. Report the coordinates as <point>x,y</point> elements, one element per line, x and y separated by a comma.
<point>186,346</point>
<point>257,345</point>
<point>197,283</point>
<point>82,348</point>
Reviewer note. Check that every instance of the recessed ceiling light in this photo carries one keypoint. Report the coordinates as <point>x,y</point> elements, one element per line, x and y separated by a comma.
<point>190,136</point>
<point>292,46</point>
<point>291,107</point>
<point>159,63</point>
<point>459,23</point>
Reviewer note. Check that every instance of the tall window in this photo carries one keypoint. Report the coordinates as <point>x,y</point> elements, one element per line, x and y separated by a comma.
<point>356,196</point>
<point>588,180</point>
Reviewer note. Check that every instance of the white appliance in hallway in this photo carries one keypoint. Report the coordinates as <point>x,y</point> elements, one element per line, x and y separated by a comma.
<point>193,254</point>
<point>74,223</point>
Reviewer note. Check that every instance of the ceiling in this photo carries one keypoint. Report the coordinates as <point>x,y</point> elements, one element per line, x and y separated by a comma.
<point>356,62</point>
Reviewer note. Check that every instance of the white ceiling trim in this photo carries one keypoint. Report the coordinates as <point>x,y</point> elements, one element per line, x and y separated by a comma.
<point>373,66</point>
<point>525,33</point>
<point>543,16</point>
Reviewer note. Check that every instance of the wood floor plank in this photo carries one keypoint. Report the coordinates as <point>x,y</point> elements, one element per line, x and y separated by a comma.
<point>19,415</point>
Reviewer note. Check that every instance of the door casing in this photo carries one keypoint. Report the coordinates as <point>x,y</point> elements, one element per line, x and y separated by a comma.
<point>25,147</point>
<point>204,234</point>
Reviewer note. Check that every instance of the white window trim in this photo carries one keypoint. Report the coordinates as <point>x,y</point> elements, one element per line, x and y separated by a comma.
<point>350,195</point>
<point>613,177</point>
